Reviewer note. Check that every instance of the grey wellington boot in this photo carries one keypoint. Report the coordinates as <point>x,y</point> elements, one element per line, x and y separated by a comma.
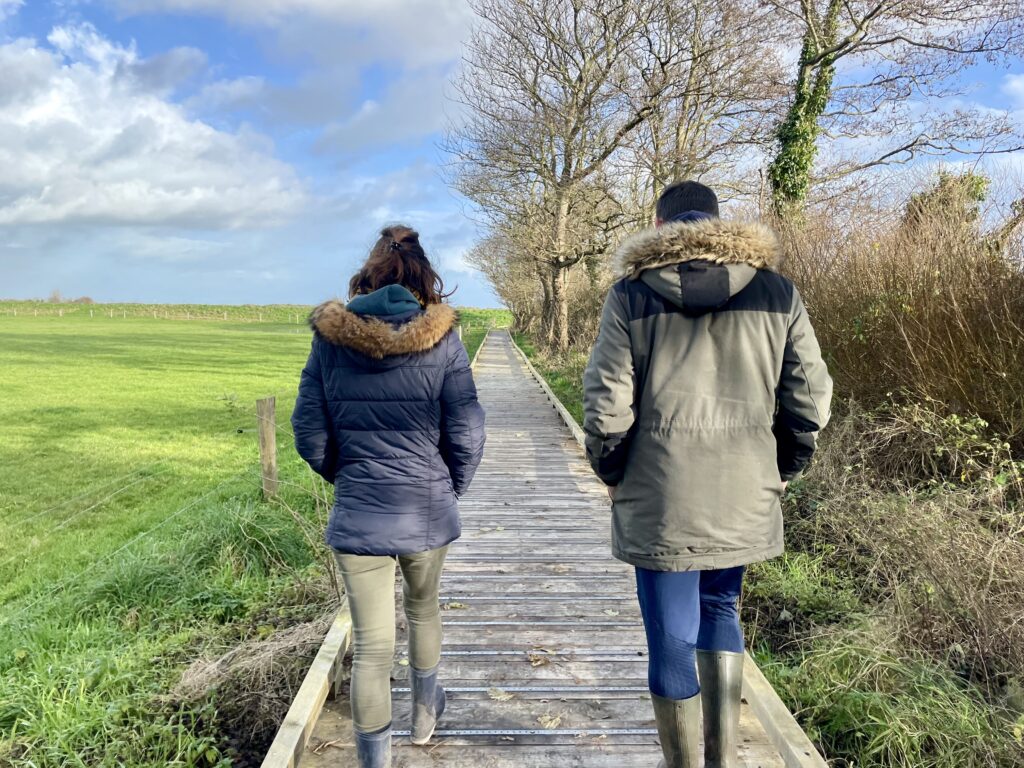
<point>373,750</point>
<point>721,686</point>
<point>679,731</point>
<point>428,702</point>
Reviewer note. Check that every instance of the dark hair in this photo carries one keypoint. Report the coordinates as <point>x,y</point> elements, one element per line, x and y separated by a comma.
<point>685,196</point>
<point>398,257</point>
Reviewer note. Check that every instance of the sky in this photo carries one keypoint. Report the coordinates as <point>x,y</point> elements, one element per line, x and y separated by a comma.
<point>236,151</point>
<point>229,151</point>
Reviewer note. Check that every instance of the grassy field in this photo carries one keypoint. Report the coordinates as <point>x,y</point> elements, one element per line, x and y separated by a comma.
<point>133,538</point>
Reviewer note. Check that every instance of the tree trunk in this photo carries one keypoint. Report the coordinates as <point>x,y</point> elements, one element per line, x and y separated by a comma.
<point>560,274</point>
<point>560,297</point>
<point>790,171</point>
<point>547,314</point>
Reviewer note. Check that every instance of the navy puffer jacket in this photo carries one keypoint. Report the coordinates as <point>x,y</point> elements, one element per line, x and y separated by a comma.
<point>387,411</point>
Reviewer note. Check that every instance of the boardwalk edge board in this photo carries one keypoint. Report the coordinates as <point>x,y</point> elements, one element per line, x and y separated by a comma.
<point>321,680</point>
<point>785,732</point>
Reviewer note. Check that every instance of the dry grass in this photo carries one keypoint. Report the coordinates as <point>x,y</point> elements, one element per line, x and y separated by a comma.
<point>253,684</point>
<point>925,514</point>
<point>934,310</point>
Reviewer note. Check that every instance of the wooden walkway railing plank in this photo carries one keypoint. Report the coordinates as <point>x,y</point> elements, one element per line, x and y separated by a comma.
<point>544,654</point>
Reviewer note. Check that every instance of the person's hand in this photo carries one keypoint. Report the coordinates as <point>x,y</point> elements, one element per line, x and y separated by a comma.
<point>611,492</point>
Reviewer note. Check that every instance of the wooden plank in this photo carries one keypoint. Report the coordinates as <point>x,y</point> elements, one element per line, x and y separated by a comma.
<point>570,422</point>
<point>795,748</point>
<point>293,735</point>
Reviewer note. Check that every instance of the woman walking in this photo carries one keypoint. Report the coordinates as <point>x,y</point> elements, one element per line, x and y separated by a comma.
<point>387,412</point>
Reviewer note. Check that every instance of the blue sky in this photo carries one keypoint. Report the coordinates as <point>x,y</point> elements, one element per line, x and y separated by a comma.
<point>223,150</point>
<point>236,150</point>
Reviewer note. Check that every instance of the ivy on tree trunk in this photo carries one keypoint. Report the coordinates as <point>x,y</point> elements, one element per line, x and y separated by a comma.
<point>790,171</point>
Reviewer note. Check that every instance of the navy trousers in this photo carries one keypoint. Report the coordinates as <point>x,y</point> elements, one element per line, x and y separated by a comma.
<point>685,611</point>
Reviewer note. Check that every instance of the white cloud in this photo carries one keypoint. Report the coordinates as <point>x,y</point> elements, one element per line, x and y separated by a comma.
<point>412,107</point>
<point>9,8</point>
<point>414,32</point>
<point>1013,86</point>
<point>87,135</point>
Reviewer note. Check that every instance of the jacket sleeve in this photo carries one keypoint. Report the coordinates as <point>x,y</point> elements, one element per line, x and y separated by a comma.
<point>314,439</point>
<point>804,395</point>
<point>462,418</point>
<point>609,384</point>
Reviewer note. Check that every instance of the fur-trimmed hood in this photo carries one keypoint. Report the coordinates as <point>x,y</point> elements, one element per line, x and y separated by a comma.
<point>378,338</point>
<point>713,240</point>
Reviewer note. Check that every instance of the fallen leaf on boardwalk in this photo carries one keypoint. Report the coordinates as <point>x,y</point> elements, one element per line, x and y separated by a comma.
<point>539,659</point>
<point>610,612</point>
<point>499,695</point>
<point>485,530</point>
<point>550,721</point>
<point>403,662</point>
<point>454,606</point>
<point>500,528</point>
<point>560,568</point>
<point>507,738</point>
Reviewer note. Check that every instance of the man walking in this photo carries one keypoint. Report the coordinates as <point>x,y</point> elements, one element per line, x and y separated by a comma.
<point>703,397</point>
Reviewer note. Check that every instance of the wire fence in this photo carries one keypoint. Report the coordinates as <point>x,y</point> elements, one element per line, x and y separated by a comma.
<point>55,589</point>
<point>292,314</point>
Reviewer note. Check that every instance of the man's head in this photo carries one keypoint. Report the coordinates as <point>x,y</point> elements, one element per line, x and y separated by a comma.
<point>686,201</point>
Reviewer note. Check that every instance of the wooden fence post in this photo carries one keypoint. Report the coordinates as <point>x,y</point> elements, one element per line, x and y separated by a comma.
<point>268,444</point>
<point>458,330</point>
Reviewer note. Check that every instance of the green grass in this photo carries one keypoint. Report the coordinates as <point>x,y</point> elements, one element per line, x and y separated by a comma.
<point>133,538</point>
<point>476,323</point>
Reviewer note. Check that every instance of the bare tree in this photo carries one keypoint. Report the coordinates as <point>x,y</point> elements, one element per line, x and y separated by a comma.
<point>577,113</point>
<point>901,53</point>
<point>721,98</point>
<point>550,89</point>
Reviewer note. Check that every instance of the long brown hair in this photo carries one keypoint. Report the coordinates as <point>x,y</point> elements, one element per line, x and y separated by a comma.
<point>398,257</point>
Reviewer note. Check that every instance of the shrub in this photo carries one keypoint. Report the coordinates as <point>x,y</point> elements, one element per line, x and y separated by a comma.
<point>858,695</point>
<point>928,305</point>
<point>924,514</point>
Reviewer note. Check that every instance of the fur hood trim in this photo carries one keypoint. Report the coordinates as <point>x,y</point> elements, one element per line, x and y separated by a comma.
<point>714,240</point>
<point>377,338</point>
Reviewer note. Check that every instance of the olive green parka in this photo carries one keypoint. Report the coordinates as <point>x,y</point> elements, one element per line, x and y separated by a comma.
<point>705,391</point>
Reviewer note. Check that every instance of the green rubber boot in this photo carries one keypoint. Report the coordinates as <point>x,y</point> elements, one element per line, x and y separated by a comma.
<point>721,687</point>
<point>679,731</point>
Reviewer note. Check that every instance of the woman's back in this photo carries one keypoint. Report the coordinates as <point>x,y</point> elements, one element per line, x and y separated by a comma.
<point>402,408</point>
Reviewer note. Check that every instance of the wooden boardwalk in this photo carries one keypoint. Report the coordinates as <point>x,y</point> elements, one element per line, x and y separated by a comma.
<point>544,655</point>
